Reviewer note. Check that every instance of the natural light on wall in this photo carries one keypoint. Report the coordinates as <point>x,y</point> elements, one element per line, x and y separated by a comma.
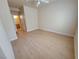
<point>21,16</point>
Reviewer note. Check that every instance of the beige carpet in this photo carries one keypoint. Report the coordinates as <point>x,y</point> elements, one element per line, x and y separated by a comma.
<point>40,44</point>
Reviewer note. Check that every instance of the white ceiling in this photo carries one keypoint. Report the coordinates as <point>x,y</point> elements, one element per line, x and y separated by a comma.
<point>32,3</point>
<point>15,3</point>
<point>19,3</point>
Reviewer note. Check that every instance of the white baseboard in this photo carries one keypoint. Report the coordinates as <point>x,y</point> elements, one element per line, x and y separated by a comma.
<point>50,30</point>
<point>32,29</point>
<point>14,38</point>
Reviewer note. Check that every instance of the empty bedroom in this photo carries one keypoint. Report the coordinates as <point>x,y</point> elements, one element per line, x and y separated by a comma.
<point>50,29</point>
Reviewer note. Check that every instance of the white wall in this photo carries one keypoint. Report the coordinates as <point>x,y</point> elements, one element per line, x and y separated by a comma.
<point>2,56</point>
<point>31,18</point>
<point>59,17</point>
<point>7,20</point>
<point>22,19</point>
<point>5,45</point>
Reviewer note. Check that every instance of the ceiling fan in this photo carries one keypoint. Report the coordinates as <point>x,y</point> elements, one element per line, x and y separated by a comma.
<point>43,1</point>
<point>36,2</point>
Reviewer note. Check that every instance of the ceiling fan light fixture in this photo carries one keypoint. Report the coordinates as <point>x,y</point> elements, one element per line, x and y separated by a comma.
<point>38,3</point>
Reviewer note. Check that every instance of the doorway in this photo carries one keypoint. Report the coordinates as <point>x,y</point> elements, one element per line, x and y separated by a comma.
<point>19,23</point>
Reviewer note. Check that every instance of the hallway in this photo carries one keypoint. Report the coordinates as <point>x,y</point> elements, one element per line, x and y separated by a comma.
<point>40,44</point>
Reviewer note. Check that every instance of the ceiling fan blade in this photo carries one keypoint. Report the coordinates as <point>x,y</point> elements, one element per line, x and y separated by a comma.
<point>45,1</point>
